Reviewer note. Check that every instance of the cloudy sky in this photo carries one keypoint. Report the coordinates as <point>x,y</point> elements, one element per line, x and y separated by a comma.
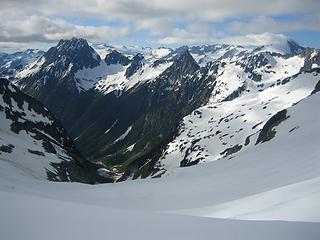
<point>41,23</point>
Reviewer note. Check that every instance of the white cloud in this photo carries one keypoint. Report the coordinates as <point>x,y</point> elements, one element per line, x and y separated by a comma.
<point>263,23</point>
<point>184,37</point>
<point>213,10</point>
<point>256,39</point>
<point>42,29</point>
<point>46,21</point>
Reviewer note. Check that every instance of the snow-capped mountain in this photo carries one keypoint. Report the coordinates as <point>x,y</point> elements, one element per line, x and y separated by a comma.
<point>34,145</point>
<point>249,92</point>
<point>58,65</point>
<point>283,47</point>
<point>220,129</point>
<point>123,105</point>
<point>11,64</point>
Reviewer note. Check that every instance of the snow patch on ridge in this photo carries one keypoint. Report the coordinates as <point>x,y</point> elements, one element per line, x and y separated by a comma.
<point>107,78</point>
<point>123,136</point>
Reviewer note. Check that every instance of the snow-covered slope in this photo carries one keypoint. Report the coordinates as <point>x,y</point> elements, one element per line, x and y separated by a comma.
<point>108,78</point>
<point>248,89</point>
<point>33,144</point>
<point>284,46</point>
<point>71,220</point>
<point>208,53</point>
<point>253,73</point>
<point>224,127</point>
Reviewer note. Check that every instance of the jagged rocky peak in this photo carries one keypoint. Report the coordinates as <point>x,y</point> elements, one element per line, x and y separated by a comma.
<point>294,47</point>
<point>114,57</point>
<point>76,51</point>
<point>183,68</point>
<point>184,61</point>
<point>73,43</point>
<point>137,58</point>
<point>184,54</point>
<point>58,65</point>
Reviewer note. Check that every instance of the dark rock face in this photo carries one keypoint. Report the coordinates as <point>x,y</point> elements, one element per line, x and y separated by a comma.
<point>267,132</point>
<point>187,162</point>
<point>76,51</point>
<point>295,48</point>
<point>316,88</point>
<point>114,57</point>
<point>6,148</point>
<point>252,62</point>
<point>231,150</point>
<point>50,132</point>
<point>184,64</point>
<point>135,65</point>
<point>236,93</point>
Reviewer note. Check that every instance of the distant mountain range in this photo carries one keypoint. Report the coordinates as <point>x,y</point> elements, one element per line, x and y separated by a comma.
<point>143,112</point>
<point>11,64</point>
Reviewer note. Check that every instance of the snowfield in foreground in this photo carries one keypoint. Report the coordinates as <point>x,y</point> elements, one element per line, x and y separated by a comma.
<point>270,191</point>
<point>27,217</point>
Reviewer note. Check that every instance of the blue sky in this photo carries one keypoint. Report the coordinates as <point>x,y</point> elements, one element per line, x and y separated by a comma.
<point>41,23</point>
